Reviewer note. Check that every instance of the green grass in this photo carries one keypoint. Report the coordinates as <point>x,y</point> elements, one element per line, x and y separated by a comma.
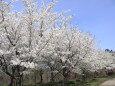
<point>3,85</point>
<point>99,80</point>
<point>86,82</point>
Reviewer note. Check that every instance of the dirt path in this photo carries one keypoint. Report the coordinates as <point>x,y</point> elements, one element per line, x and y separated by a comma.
<point>109,83</point>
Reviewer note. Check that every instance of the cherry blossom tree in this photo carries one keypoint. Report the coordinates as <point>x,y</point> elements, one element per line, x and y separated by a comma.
<point>67,48</point>
<point>73,49</point>
<point>23,35</point>
<point>103,60</point>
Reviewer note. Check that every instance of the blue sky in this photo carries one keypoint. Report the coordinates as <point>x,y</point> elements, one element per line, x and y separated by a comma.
<point>94,16</point>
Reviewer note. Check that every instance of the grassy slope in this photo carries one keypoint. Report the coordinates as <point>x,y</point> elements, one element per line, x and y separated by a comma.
<point>91,81</point>
<point>98,81</point>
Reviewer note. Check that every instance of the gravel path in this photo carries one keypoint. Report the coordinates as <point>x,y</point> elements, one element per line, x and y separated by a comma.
<point>109,83</point>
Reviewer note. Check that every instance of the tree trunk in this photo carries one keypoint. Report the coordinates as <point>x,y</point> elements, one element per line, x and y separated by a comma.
<point>18,76</point>
<point>52,74</point>
<point>11,82</point>
<point>35,76</point>
<point>41,76</point>
<point>65,75</point>
<point>18,81</point>
<point>65,81</point>
<point>52,77</point>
